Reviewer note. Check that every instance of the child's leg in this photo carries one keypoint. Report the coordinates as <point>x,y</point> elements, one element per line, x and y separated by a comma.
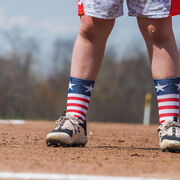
<point>161,45</point>
<point>86,60</point>
<point>163,54</point>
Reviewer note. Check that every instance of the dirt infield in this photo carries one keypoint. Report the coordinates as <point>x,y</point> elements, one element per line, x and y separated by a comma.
<point>113,149</point>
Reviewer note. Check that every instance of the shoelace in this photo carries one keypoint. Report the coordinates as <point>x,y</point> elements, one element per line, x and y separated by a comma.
<point>171,124</point>
<point>75,122</point>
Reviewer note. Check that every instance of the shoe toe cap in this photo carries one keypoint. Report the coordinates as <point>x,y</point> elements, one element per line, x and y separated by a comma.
<point>58,137</point>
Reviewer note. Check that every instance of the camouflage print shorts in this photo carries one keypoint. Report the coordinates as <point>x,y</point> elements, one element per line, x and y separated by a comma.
<point>109,9</point>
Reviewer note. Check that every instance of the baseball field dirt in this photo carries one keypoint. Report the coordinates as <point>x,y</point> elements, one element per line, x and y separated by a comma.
<point>112,149</point>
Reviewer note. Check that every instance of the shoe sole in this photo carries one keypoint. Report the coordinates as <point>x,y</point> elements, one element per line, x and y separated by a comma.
<point>64,140</point>
<point>170,145</point>
<point>57,144</point>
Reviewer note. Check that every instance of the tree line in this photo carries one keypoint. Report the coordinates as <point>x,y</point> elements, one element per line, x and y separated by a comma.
<point>118,95</point>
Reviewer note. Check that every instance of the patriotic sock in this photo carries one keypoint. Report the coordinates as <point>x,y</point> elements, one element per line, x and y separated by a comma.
<point>168,99</point>
<point>79,95</point>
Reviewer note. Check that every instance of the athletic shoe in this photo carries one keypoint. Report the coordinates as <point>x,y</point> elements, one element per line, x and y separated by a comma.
<point>69,131</point>
<point>169,134</point>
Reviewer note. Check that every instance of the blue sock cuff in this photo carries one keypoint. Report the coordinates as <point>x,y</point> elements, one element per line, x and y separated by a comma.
<point>81,86</point>
<point>167,86</point>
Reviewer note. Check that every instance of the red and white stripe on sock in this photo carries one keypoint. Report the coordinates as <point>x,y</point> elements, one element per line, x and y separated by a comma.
<point>168,99</point>
<point>168,106</point>
<point>79,95</point>
<point>78,105</point>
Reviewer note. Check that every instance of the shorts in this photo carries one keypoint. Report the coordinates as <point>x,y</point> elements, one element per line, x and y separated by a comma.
<point>110,9</point>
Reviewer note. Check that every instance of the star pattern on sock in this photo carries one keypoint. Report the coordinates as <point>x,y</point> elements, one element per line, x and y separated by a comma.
<point>89,88</point>
<point>160,87</point>
<point>71,86</point>
<point>178,86</point>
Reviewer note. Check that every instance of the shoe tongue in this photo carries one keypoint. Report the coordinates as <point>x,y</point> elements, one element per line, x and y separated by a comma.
<point>169,121</point>
<point>71,115</point>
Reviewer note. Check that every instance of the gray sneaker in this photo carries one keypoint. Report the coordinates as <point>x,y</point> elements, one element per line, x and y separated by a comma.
<point>169,134</point>
<point>69,131</point>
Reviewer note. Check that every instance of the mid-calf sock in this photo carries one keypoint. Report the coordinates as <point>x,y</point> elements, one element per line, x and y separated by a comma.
<point>79,95</point>
<point>168,99</point>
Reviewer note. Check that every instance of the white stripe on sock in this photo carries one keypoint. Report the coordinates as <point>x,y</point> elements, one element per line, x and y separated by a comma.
<point>78,95</point>
<point>170,118</point>
<point>164,111</point>
<point>77,102</point>
<point>77,108</point>
<point>168,96</point>
<point>168,103</point>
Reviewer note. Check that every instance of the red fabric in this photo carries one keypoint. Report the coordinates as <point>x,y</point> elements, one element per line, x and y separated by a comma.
<point>78,99</point>
<point>76,111</point>
<point>77,105</point>
<point>79,117</point>
<point>168,99</point>
<point>168,114</point>
<point>80,8</point>
<point>162,121</point>
<point>168,107</point>
<point>175,7</point>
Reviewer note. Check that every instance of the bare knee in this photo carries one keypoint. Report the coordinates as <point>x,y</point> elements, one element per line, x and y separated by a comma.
<point>157,35</point>
<point>93,28</point>
<point>156,31</point>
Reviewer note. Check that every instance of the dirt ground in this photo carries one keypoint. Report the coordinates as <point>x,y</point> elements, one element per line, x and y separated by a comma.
<point>112,149</point>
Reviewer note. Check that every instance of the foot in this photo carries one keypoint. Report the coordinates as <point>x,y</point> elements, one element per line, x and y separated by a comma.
<point>169,134</point>
<point>69,131</point>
